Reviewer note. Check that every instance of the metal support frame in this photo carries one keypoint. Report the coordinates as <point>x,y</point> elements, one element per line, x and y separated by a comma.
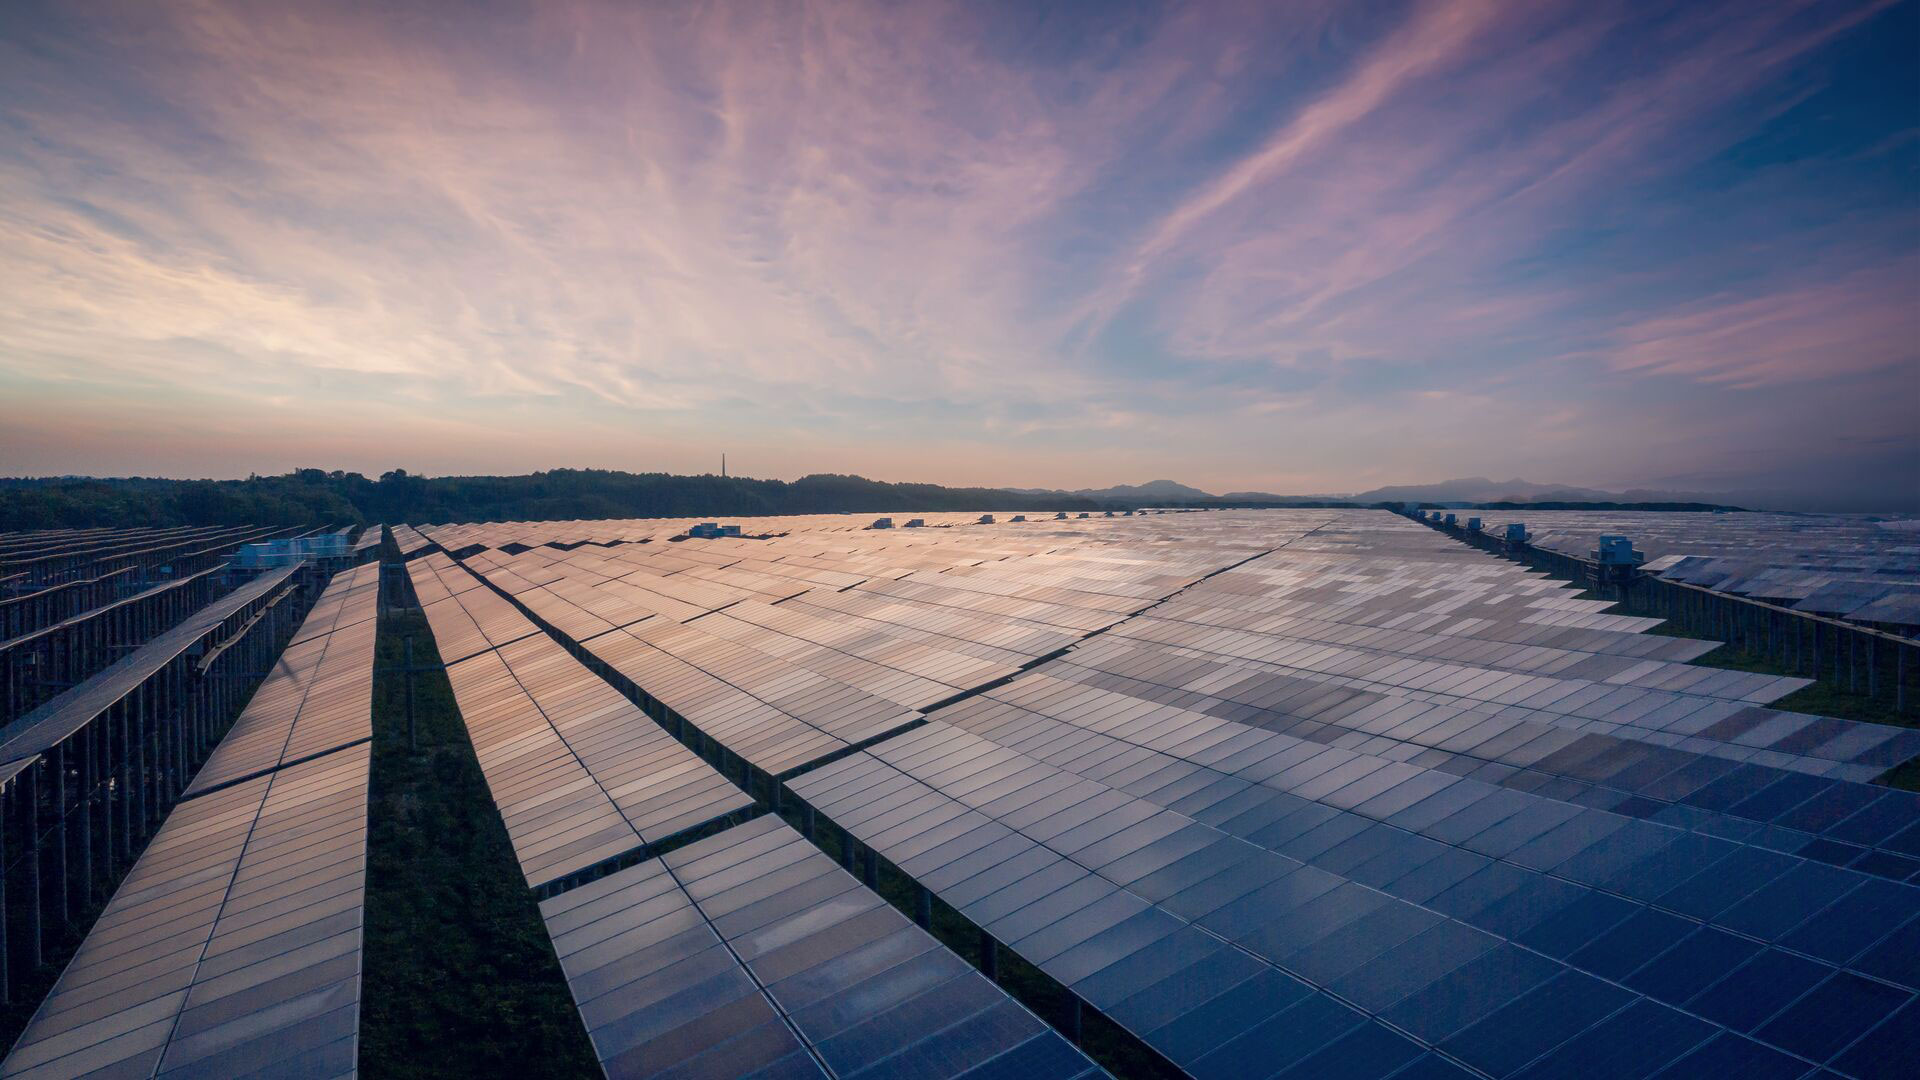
<point>76,818</point>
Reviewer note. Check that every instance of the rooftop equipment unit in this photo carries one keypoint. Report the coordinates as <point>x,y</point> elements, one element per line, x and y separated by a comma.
<point>881,523</point>
<point>1109,513</point>
<point>1516,533</point>
<point>1083,513</point>
<point>1450,519</point>
<point>290,550</point>
<point>1061,516</point>
<point>1473,524</point>
<point>986,519</point>
<point>707,530</point>
<point>1615,565</point>
<point>916,523</point>
<point>1018,517</point>
<point>1617,551</point>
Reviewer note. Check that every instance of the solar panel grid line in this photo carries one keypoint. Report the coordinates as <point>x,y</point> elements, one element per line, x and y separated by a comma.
<point>319,697</point>
<point>1544,754</point>
<point>678,666</point>
<point>1485,709</point>
<point>1221,606</point>
<point>71,711</point>
<point>582,777</point>
<point>1538,825</point>
<point>851,982</point>
<point>1578,706</point>
<point>233,945</point>
<point>1832,564</point>
<point>1134,821</point>
<point>1066,893</point>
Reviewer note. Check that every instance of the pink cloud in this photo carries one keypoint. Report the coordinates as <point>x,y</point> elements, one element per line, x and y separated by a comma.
<point>1853,323</point>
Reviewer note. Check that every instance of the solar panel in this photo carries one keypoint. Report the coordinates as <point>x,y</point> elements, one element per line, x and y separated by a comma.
<point>580,774</point>
<point>1282,793</point>
<point>1853,566</point>
<point>233,946</point>
<point>319,695</point>
<point>1093,884</point>
<point>752,953</point>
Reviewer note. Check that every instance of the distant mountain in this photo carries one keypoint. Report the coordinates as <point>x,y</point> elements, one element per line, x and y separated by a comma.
<point>1168,490</point>
<point>1152,489</point>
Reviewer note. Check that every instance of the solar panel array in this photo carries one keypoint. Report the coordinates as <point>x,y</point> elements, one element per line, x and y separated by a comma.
<point>1860,567</point>
<point>319,696</point>
<point>233,945</point>
<point>751,953</point>
<point>580,774</point>
<point>1300,793</point>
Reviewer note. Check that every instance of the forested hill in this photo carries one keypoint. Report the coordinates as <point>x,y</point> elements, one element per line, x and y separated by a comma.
<point>313,497</point>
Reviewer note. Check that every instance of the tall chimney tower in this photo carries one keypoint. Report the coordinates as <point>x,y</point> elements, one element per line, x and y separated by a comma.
<point>723,466</point>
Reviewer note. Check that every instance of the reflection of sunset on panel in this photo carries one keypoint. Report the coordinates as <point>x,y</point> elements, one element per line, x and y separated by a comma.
<point>1295,247</point>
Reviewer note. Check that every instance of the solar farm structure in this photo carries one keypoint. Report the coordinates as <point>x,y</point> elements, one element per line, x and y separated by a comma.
<point>1836,597</point>
<point>1853,567</point>
<point>129,655</point>
<point>1303,793</point>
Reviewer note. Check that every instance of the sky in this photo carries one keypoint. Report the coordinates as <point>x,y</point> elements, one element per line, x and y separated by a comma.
<point>1294,247</point>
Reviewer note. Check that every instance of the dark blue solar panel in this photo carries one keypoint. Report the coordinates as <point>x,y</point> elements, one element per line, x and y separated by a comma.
<point>1832,1015</point>
<point>1841,931</point>
<point>1536,1022</point>
<point>1732,1056</point>
<point>1788,900</point>
<point>1888,1050</point>
<point>1364,1053</point>
<point>1757,989</point>
<point>1469,992</point>
<point>1279,1042</point>
<point>1633,1043</point>
<point>1621,950</point>
<point>1691,965</point>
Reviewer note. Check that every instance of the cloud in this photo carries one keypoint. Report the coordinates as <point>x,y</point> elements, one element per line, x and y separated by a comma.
<point>825,226</point>
<point>1857,322</point>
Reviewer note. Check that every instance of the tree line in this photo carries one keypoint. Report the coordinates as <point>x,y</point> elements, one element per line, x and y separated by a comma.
<point>316,497</point>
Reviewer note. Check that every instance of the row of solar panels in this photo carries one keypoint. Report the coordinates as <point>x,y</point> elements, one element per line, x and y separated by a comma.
<point>232,947</point>
<point>1628,748</point>
<point>1556,879</point>
<point>746,953</point>
<point>1499,642</point>
<point>1853,566</point>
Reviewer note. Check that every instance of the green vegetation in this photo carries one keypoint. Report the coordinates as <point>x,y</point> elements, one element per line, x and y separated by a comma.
<point>313,497</point>
<point>460,977</point>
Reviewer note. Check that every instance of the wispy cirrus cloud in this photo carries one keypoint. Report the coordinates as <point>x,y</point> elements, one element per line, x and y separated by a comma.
<point>940,236</point>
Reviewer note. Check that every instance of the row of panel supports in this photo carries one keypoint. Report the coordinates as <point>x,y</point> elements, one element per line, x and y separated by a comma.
<point>75,818</point>
<point>1845,657</point>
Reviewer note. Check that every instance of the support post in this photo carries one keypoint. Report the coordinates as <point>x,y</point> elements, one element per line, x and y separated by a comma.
<point>413,735</point>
